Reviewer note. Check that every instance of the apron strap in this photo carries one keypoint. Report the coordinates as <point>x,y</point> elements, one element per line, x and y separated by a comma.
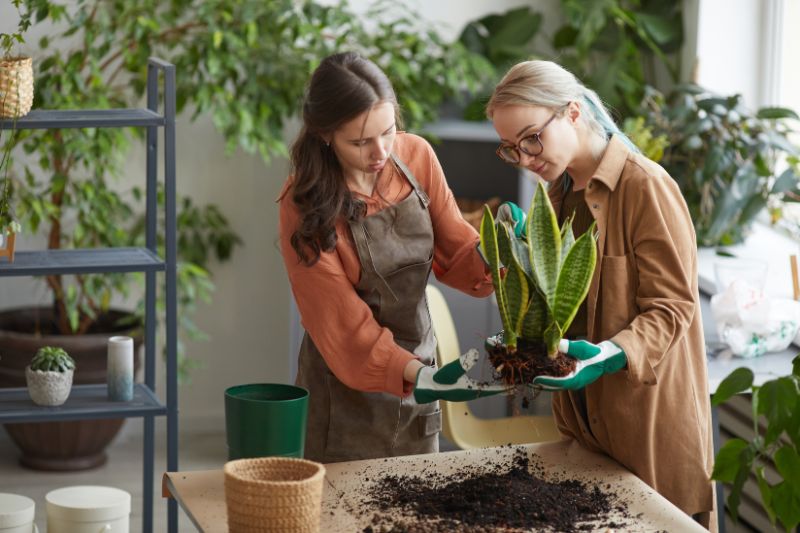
<point>423,197</point>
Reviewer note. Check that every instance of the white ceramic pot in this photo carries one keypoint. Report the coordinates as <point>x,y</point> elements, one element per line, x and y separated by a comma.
<point>88,509</point>
<point>48,388</point>
<point>16,514</point>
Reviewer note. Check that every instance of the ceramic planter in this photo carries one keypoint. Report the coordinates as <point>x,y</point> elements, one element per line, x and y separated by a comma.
<point>48,388</point>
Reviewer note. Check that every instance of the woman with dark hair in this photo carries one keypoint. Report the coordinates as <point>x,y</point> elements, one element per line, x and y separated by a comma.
<point>364,217</point>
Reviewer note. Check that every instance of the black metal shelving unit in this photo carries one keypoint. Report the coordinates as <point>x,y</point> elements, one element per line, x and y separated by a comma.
<point>90,401</point>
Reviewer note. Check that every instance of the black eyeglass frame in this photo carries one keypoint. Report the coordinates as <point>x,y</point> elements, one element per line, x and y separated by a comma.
<point>517,148</point>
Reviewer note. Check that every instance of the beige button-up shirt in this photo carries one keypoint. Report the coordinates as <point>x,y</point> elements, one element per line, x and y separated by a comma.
<point>654,416</point>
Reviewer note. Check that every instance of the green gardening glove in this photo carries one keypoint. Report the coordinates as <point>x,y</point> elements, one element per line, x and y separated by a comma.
<point>594,360</point>
<point>511,213</point>
<point>451,382</point>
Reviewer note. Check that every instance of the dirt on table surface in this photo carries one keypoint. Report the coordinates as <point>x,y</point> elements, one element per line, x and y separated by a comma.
<point>500,495</point>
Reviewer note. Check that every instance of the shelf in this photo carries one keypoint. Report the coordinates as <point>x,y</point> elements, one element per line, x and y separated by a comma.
<point>463,130</point>
<point>80,118</point>
<point>94,260</point>
<point>84,402</point>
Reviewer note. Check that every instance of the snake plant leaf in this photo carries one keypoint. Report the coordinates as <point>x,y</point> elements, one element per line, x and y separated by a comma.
<point>544,241</point>
<point>567,238</point>
<point>504,237</point>
<point>575,278</point>
<point>492,255</point>
<point>552,335</point>
<point>517,291</point>
<point>535,316</point>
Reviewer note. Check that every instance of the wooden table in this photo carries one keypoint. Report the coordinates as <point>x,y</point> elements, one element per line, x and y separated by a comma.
<point>201,493</point>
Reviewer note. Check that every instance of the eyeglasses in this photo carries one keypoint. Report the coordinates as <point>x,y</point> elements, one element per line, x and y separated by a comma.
<point>530,145</point>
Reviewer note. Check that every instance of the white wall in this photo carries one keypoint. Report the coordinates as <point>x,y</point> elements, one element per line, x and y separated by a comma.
<point>248,321</point>
<point>731,39</point>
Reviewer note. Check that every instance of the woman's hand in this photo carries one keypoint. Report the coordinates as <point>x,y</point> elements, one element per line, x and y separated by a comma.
<point>451,382</point>
<point>594,360</point>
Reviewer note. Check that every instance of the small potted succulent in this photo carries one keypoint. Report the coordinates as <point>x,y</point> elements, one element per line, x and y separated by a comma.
<point>49,376</point>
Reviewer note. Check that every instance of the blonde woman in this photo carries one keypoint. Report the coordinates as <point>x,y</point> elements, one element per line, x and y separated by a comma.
<point>640,393</point>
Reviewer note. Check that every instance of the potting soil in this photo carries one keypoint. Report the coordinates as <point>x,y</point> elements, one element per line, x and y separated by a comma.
<point>493,497</point>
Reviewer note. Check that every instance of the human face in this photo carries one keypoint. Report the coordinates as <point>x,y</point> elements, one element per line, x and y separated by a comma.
<point>556,142</point>
<point>363,144</point>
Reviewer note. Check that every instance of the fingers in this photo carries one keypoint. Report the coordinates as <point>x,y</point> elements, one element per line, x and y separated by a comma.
<point>469,359</point>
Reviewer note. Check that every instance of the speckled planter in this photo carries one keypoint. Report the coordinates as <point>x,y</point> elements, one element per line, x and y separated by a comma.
<point>48,388</point>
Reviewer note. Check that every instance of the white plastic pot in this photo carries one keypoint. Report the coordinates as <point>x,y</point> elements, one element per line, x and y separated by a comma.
<point>88,509</point>
<point>16,514</point>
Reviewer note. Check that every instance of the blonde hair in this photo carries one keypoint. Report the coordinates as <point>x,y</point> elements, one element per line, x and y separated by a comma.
<point>546,84</point>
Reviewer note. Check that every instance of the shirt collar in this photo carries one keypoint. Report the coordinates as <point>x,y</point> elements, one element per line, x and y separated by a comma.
<point>613,161</point>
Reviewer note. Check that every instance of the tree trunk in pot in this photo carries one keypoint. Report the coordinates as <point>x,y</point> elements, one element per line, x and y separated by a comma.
<point>70,445</point>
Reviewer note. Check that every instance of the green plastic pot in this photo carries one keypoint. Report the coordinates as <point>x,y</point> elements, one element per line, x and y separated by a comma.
<point>265,419</point>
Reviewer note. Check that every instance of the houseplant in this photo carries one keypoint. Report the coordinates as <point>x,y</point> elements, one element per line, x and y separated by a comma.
<point>547,276</point>
<point>776,441</point>
<point>726,159</point>
<point>618,47</point>
<point>16,98</point>
<point>49,376</point>
<point>243,63</point>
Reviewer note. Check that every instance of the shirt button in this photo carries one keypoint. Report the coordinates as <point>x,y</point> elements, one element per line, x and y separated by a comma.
<point>595,206</point>
<point>590,185</point>
<point>594,421</point>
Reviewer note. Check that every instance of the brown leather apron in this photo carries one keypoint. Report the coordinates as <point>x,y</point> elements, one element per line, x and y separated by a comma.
<point>395,249</point>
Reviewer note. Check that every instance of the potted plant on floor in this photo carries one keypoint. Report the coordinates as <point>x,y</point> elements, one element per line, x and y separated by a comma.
<point>775,443</point>
<point>547,276</point>
<point>49,376</point>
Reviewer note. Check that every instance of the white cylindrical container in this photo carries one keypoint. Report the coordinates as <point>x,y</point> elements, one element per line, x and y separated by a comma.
<point>119,374</point>
<point>88,509</point>
<point>16,514</point>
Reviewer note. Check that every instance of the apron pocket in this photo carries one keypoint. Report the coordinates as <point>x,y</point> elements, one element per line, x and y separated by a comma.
<point>362,425</point>
<point>430,424</point>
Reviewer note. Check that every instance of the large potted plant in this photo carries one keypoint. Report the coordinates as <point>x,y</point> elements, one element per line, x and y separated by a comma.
<point>546,278</point>
<point>775,443</point>
<point>730,163</point>
<point>246,64</point>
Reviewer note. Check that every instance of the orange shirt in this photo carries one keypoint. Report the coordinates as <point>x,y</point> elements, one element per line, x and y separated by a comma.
<point>359,351</point>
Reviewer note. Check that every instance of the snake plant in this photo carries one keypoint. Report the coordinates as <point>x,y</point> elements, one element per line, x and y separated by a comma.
<point>547,273</point>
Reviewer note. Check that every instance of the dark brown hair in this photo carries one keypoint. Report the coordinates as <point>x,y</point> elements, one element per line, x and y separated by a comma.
<point>342,87</point>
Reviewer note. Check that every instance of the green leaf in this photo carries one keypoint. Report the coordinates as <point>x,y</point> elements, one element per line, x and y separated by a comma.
<point>574,279</point>
<point>490,250</point>
<point>544,241</point>
<point>776,113</point>
<point>766,493</point>
<point>787,181</point>
<point>737,381</point>
<point>727,463</point>
<point>535,320</point>
<point>777,400</point>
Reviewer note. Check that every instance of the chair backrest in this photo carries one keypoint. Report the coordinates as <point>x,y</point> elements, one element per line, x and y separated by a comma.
<point>459,425</point>
<point>447,350</point>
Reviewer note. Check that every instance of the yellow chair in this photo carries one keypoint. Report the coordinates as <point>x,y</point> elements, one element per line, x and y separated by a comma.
<point>459,424</point>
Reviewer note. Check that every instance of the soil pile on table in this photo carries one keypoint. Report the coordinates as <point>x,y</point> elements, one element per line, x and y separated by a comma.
<point>491,498</point>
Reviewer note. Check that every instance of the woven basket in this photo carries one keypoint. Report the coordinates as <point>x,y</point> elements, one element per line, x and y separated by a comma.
<point>273,494</point>
<point>16,87</point>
